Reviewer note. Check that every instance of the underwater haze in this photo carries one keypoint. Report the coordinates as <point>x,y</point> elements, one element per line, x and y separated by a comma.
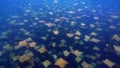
<point>59,34</point>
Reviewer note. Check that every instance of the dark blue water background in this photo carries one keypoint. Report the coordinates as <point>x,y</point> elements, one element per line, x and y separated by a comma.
<point>9,8</point>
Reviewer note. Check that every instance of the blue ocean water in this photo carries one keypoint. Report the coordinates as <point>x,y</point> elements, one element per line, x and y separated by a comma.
<point>89,27</point>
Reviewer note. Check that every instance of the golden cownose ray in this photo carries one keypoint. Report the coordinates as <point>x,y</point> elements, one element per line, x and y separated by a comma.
<point>61,63</point>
